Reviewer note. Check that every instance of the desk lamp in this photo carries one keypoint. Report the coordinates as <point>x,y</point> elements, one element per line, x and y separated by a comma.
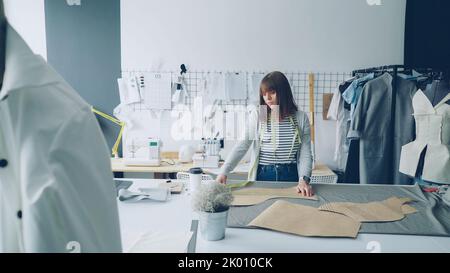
<point>116,121</point>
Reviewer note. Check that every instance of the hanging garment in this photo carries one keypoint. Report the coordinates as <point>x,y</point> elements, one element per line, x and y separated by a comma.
<point>347,152</point>
<point>432,133</point>
<point>436,91</point>
<point>404,127</point>
<point>351,174</point>
<point>338,112</point>
<point>352,93</point>
<point>371,126</point>
<point>342,87</point>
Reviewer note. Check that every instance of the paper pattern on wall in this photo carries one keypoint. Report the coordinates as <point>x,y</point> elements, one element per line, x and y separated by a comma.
<point>254,82</point>
<point>128,90</point>
<point>214,87</point>
<point>157,92</point>
<point>236,86</point>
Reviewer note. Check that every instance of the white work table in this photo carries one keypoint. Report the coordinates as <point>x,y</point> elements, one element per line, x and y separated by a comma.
<point>242,240</point>
<point>139,218</point>
<point>176,215</point>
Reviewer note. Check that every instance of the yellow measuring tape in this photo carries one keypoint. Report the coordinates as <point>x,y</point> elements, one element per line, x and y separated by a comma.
<point>116,121</point>
<point>296,136</point>
<point>238,185</point>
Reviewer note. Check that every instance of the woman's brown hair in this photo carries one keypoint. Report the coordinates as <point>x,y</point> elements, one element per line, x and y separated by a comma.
<point>277,82</point>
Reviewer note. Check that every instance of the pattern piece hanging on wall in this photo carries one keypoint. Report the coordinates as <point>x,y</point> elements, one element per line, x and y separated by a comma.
<point>236,86</point>
<point>157,91</point>
<point>212,88</point>
<point>254,81</point>
<point>128,90</point>
<point>143,122</point>
<point>324,83</point>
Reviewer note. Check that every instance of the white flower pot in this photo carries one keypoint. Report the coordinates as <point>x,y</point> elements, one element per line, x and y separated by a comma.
<point>212,225</point>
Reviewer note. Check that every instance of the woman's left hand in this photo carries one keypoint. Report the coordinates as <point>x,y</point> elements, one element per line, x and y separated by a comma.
<point>304,188</point>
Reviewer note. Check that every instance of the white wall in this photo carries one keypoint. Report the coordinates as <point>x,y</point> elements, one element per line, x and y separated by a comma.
<point>317,35</point>
<point>28,18</point>
<point>263,35</point>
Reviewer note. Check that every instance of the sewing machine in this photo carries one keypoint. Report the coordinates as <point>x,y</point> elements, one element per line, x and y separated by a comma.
<point>154,155</point>
<point>209,157</point>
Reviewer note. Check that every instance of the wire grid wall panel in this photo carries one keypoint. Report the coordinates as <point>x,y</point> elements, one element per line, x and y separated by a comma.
<point>324,82</point>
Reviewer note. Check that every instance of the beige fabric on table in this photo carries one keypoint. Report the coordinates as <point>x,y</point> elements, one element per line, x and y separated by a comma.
<point>407,209</point>
<point>253,196</point>
<point>392,209</point>
<point>306,221</point>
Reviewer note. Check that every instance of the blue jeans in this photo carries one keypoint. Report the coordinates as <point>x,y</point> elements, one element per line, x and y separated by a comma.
<point>278,172</point>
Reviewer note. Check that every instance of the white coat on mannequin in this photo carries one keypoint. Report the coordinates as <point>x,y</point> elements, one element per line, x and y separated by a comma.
<point>57,191</point>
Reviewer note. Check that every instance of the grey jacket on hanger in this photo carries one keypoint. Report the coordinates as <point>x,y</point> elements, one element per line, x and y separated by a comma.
<point>371,125</point>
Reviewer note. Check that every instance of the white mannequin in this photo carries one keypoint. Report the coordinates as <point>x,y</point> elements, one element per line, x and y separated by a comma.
<point>57,191</point>
<point>2,41</point>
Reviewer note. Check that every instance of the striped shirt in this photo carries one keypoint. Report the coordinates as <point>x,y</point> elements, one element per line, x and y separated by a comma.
<point>277,152</point>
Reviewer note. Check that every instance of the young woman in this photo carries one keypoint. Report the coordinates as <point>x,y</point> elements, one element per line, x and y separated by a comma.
<point>280,138</point>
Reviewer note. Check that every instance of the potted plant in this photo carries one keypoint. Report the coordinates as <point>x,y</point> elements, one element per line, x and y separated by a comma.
<point>212,201</point>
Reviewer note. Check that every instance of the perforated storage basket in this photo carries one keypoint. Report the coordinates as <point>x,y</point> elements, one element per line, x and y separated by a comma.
<point>185,176</point>
<point>324,179</point>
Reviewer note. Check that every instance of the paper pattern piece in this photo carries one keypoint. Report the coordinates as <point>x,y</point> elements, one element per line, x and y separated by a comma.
<point>214,87</point>
<point>157,92</point>
<point>306,221</point>
<point>236,86</point>
<point>179,95</point>
<point>128,90</point>
<point>253,196</point>
<point>254,83</point>
<point>392,209</point>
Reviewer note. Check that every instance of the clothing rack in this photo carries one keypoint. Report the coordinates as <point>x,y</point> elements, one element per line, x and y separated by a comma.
<point>395,69</point>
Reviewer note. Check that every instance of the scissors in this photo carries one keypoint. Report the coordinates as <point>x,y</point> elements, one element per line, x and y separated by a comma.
<point>439,190</point>
<point>431,189</point>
